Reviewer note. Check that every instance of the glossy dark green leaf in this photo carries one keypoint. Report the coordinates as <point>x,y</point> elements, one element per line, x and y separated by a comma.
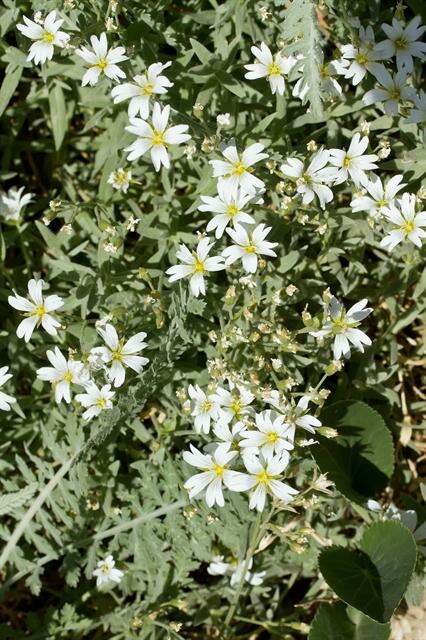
<point>360,460</point>
<point>334,622</point>
<point>373,577</point>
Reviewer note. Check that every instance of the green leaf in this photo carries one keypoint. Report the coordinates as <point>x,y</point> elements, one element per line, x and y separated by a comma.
<point>203,54</point>
<point>360,460</point>
<point>11,501</point>
<point>374,577</point>
<point>8,87</point>
<point>332,622</point>
<point>58,115</point>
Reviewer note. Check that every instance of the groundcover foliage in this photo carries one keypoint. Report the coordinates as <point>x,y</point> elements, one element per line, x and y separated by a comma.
<point>212,289</point>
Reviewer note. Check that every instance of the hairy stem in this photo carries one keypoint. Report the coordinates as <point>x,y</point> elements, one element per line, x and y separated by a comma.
<point>256,533</point>
<point>38,502</point>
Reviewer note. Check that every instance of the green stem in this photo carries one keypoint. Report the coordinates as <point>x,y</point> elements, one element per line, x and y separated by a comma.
<point>36,505</point>
<point>174,633</point>
<point>42,497</point>
<point>257,531</point>
<point>161,511</point>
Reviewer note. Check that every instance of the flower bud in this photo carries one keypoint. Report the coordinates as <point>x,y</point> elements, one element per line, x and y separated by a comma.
<point>327,432</point>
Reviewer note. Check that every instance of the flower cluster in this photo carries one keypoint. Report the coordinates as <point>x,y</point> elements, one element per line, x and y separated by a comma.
<point>112,358</point>
<point>258,443</point>
<point>249,438</point>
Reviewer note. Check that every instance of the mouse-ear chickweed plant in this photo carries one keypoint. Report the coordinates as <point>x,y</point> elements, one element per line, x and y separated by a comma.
<point>212,243</point>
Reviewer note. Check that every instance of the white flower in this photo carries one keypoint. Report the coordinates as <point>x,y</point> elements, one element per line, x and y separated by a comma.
<point>223,119</point>
<point>95,400</point>
<point>382,197</point>
<point>5,399</point>
<point>343,326</point>
<point>231,435</point>
<point>132,223</point>
<point>402,42</point>
<point>392,91</point>
<point>106,572</point>
<point>274,398</point>
<point>364,55</point>
<point>204,408</point>
<point>120,179</point>
<point>352,162</point>
<point>218,567</point>
<point>408,225</point>
<point>309,180</point>
<point>418,114</point>
<point>13,202</point>
<point>121,354</point>
<point>271,436</point>
<point>248,247</point>
<point>45,37</point>
<point>62,374</point>
<point>234,404</point>
<point>142,89</point>
<point>271,67</point>
<point>37,309</point>
<point>298,417</point>
<point>228,205</point>
<point>155,138</point>
<point>237,170</point>
<point>262,479</point>
<point>195,266</point>
<point>327,71</point>
<point>215,471</point>
<point>101,60</point>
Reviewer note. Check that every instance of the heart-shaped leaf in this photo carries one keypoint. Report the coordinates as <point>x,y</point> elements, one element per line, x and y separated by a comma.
<point>374,577</point>
<point>334,622</point>
<point>360,460</point>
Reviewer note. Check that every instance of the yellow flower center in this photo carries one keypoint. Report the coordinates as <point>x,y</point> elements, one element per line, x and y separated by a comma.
<point>148,89</point>
<point>324,73</point>
<point>274,70</point>
<point>39,311</point>
<point>408,227</point>
<point>102,64</point>
<point>218,469</point>
<point>48,37</point>
<point>236,407</point>
<point>68,376</point>
<point>272,437</point>
<point>198,266</point>
<point>105,568</point>
<point>382,203</point>
<point>239,169</point>
<point>232,210</point>
<point>206,406</point>
<point>362,59</point>
<point>121,176</point>
<point>101,402</point>
<point>395,94</point>
<point>347,162</point>
<point>263,477</point>
<point>401,43</point>
<point>339,325</point>
<point>250,249</point>
<point>116,355</point>
<point>158,138</point>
